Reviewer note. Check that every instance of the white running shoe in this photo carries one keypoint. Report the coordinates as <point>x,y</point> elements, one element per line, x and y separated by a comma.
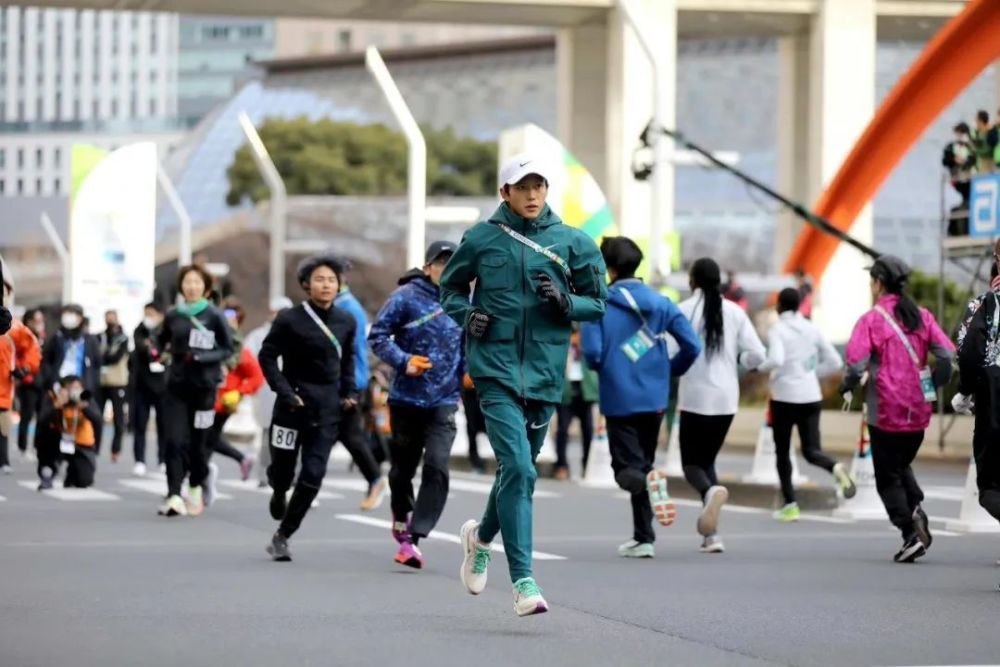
<point>476,559</point>
<point>708,520</point>
<point>7,470</point>
<point>139,469</point>
<point>528,598</point>
<point>635,549</point>
<point>210,485</point>
<point>173,507</point>
<point>712,544</point>
<point>195,501</point>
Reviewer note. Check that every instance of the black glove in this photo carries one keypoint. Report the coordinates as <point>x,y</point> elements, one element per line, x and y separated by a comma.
<point>20,373</point>
<point>478,324</point>
<point>6,319</point>
<point>548,291</point>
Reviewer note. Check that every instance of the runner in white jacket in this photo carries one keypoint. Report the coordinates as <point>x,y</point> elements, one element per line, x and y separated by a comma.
<point>710,391</point>
<point>798,354</point>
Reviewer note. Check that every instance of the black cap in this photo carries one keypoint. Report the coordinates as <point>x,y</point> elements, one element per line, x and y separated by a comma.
<point>891,270</point>
<point>438,248</point>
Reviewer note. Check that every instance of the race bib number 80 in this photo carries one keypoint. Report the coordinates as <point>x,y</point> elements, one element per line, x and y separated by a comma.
<point>283,438</point>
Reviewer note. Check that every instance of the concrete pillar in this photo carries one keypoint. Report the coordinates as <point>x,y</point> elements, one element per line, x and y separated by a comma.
<point>629,104</point>
<point>582,64</point>
<point>793,139</point>
<point>842,98</point>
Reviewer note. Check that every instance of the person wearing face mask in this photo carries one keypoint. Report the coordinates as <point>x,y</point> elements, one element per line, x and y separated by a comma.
<point>197,337</point>
<point>314,384</point>
<point>19,359</point>
<point>69,352</point>
<point>149,377</point>
<point>114,378</point>
<point>892,343</point>
<point>424,346</point>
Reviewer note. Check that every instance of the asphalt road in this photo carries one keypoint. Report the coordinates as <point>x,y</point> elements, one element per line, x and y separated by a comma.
<point>98,579</point>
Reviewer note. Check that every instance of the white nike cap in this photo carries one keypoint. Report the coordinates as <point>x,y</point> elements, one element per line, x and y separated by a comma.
<point>516,168</point>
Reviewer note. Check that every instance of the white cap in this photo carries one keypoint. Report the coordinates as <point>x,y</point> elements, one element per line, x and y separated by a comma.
<point>516,168</point>
<point>280,303</point>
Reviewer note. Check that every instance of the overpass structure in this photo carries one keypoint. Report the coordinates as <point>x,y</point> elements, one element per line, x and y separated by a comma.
<point>826,94</point>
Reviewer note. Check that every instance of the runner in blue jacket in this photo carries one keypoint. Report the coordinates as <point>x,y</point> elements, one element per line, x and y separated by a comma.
<point>424,346</point>
<point>628,349</point>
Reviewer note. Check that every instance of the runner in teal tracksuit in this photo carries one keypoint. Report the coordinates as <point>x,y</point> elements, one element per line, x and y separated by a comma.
<point>533,276</point>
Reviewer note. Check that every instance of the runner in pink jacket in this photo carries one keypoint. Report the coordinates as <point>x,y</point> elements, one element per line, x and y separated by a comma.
<point>892,342</point>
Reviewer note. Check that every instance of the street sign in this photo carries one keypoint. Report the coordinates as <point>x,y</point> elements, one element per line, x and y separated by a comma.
<point>984,206</point>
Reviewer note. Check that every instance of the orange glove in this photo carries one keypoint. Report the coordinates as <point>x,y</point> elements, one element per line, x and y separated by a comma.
<point>467,382</point>
<point>417,366</point>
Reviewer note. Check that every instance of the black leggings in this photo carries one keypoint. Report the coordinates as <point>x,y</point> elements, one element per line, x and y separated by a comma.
<point>29,398</point>
<point>986,449</point>
<point>116,395</point>
<point>216,443</point>
<point>892,454</point>
<point>583,411</point>
<point>702,436</point>
<point>805,417</point>
<point>475,424</point>
<point>632,440</point>
<point>189,413</point>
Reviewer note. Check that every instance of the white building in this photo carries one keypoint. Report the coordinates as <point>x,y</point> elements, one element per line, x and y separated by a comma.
<point>80,76</point>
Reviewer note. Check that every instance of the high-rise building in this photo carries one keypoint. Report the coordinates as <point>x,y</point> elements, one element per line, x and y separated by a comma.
<point>69,76</point>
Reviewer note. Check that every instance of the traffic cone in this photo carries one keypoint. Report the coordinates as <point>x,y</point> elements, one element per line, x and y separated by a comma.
<point>866,504</point>
<point>972,518</point>
<point>599,473</point>
<point>765,459</point>
<point>674,466</point>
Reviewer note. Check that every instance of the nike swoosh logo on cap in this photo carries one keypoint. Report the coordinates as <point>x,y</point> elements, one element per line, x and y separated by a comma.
<point>524,163</point>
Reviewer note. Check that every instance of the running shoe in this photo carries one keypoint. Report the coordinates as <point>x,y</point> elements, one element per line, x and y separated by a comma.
<point>376,494</point>
<point>476,559</point>
<point>528,598</point>
<point>211,490</point>
<point>173,507</point>
<point>162,468</point>
<point>246,465</point>
<point>912,549</point>
<point>410,556</point>
<point>844,481</point>
<point>708,520</point>
<point>7,470</point>
<point>45,479</point>
<point>636,549</point>
<point>788,513</point>
<point>712,544</point>
<point>401,530</point>
<point>195,501</point>
<point>278,505</point>
<point>278,548</point>
<point>922,524</point>
<point>139,469</point>
<point>659,499</point>
<point>561,474</point>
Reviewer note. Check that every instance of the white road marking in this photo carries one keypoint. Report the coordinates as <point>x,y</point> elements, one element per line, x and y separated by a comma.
<point>484,488</point>
<point>157,487</point>
<point>251,487</point>
<point>952,493</point>
<point>71,495</point>
<point>436,535</point>
<point>742,509</point>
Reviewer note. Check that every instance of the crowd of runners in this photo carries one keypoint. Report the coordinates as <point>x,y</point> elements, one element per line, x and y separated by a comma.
<point>524,318</point>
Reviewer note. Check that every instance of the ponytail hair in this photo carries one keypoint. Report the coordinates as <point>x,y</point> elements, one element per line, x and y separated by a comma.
<point>706,276</point>
<point>907,311</point>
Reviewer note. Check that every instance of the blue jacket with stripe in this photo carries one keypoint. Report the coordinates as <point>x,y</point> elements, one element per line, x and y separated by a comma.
<point>412,323</point>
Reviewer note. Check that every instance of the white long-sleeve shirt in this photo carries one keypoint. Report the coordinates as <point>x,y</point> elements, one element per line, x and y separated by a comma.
<point>712,386</point>
<point>798,354</point>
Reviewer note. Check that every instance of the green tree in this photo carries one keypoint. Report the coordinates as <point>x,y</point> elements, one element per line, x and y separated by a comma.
<point>924,290</point>
<point>329,157</point>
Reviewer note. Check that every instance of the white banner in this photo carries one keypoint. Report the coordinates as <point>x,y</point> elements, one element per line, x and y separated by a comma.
<point>111,236</point>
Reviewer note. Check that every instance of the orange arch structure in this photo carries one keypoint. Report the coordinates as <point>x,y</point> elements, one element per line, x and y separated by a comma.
<point>953,58</point>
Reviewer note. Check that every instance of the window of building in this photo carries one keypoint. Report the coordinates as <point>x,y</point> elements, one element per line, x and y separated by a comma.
<point>20,158</point>
<point>20,186</point>
<point>251,32</point>
<point>314,41</point>
<point>38,186</point>
<point>3,158</point>
<point>215,32</point>
<point>57,157</point>
<point>344,40</point>
<point>39,157</point>
<point>2,186</point>
<point>56,186</point>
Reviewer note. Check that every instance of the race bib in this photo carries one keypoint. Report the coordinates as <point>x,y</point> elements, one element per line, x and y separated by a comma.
<point>201,340</point>
<point>204,419</point>
<point>283,438</point>
<point>67,445</point>
<point>927,385</point>
<point>638,345</point>
<point>156,367</point>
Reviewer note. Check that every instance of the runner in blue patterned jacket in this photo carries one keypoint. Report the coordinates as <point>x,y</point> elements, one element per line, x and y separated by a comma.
<point>424,346</point>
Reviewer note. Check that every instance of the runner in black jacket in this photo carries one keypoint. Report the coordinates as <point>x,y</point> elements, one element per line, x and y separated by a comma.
<point>198,340</point>
<point>315,341</point>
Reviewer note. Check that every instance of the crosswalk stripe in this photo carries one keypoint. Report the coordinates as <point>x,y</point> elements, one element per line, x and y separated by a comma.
<point>71,495</point>
<point>157,487</point>
<point>251,487</point>
<point>436,535</point>
<point>469,486</point>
